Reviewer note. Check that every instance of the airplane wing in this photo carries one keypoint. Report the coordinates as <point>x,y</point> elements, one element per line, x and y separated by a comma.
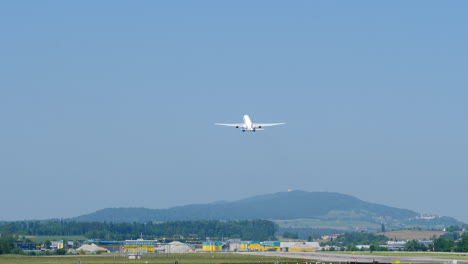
<point>230,125</point>
<point>267,125</point>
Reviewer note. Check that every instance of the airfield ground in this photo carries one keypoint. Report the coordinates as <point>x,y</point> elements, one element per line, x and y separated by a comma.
<point>188,258</point>
<point>383,257</point>
<point>243,258</point>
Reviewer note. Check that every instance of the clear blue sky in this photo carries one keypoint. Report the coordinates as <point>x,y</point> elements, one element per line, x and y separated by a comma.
<point>113,103</point>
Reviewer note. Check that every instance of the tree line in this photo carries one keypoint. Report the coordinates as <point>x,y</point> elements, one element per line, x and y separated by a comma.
<point>243,229</point>
<point>349,241</point>
<point>7,243</point>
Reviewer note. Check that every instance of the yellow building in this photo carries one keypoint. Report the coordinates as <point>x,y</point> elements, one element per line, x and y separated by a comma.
<point>212,246</point>
<point>244,246</point>
<point>140,246</point>
<point>251,245</point>
<point>271,246</point>
<point>255,245</point>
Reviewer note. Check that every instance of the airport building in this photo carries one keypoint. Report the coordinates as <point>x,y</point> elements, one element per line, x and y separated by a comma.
<point>212,246</point>
<point>299,246</point>
<point>396,245</point>
<point>110,245</point>
<point>28,245</point>
<point>139,246</point>
<point>279,246</point>
<point>251,246</point>
<point>57,245</point>
<point>271,246</point>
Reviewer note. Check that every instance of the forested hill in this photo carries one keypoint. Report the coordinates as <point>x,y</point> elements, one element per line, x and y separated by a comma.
<point>283,205</point>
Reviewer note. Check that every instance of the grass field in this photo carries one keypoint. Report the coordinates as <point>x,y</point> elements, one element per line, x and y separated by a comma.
<point>192,258</point>
<point>198,258</point>
<point>441,255</point>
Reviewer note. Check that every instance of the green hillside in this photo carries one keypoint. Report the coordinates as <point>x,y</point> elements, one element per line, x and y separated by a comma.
<point>324,210</point>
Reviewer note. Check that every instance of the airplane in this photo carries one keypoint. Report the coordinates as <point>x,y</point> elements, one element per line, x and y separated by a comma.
<point>249,125</point>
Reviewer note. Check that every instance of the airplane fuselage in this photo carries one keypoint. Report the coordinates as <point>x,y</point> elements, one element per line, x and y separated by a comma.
<point>248,124</point>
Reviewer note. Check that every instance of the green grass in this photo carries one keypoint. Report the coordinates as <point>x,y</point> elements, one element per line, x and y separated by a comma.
<point>195,258</point>
<point>442,255</point>
<point>192,258</point>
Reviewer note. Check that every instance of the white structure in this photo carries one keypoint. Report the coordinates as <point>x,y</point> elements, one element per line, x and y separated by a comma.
<point>91,248</point>
<point>363,246</point>
<point>396,245</point>
<point>300,246</point>
<point>426,243</point>
<point>234,244</point>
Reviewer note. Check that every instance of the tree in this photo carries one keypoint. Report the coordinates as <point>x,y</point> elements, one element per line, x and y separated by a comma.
<point>451,235</point>
<point>291,235</point>
<point>414,245</point>
<point>360,238</point>
<point>47,244</point>
<point>443,245</point>
<point>382,228</point>
<point>61,251</point>
<point>76,244</point>
<point>453,228</point>
<point>7,243</point>
<point>352,248</point>
<point>462,245</point>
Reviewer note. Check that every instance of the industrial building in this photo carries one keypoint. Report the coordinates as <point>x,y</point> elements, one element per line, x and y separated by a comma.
<point>271,246</point>
<point>251,246</point>
<point>396,245</point>
<point>278,246</point>
<point>139,246</point>
<point>212,246</point>
<point>110,245</point>
<point>28,245</point>
<point>299,246</point>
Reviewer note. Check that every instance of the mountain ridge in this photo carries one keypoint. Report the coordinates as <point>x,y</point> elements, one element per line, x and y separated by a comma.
<point>323,206</point>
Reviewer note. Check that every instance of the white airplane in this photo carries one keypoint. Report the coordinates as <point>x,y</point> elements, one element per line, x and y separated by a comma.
<point>249,125</point>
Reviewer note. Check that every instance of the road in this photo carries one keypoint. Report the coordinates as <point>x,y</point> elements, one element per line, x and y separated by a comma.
<point>325,257</point>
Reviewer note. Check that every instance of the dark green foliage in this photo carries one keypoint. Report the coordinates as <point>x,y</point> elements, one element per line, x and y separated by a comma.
<point>378,248</point>
<point>462,245</point>
<point>451,235</point>
<point>61,251</point>
<point>453,228</point>
<point>414,245</point>
<point>47,243</point>
<point>443,244</point>
<point>352,247</point>
<point>438,222</point>
<point>350,240</point>
<point>290,235</point>
<point>244,229</point>
<point>7,243</point>
<point>361,238</point>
